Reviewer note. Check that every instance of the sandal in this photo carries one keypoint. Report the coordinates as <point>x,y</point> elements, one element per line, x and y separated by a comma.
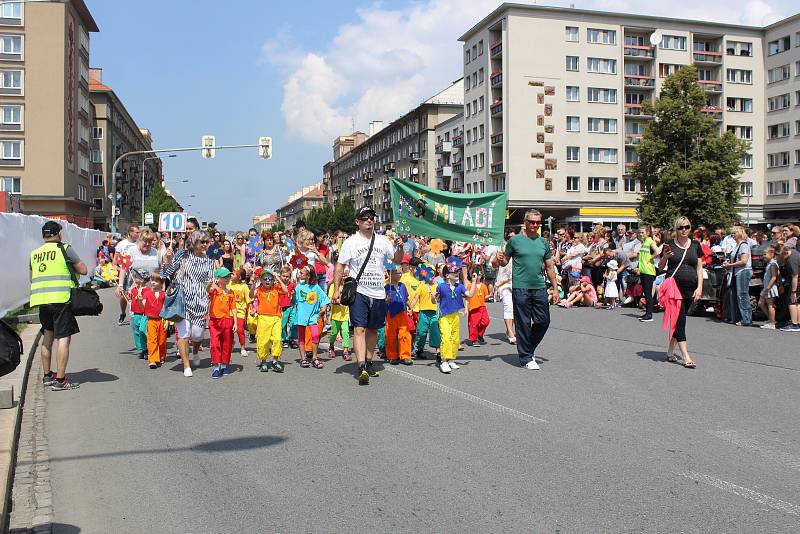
<point>690,365</point>
<point>316,363</point>
<point>672,358</point>
<point>304,363</point>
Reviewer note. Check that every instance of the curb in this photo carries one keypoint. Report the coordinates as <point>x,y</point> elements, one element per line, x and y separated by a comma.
<point>8,452</point>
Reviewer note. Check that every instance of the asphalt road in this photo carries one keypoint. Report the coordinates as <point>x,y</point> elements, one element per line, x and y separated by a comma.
<point>606,437</point>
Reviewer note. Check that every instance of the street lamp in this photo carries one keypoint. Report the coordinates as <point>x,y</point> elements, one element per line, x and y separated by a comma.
<point>143,162</point>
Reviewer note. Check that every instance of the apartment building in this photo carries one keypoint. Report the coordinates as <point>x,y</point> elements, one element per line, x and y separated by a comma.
<point>404,149</point>
<point>115,133</point>
<point>45,116</point>
<point>553,105</point>
<point>300,205</point>
<point>449,154</point>
<point>264,222</point>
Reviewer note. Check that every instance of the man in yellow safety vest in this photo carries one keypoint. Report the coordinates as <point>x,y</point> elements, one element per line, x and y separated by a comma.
<point>51,282</point>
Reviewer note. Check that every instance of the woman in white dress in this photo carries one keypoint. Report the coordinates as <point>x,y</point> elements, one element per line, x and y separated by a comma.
<point>502,292</point>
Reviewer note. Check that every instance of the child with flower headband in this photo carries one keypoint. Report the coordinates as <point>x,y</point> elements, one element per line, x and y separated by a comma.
<point>312,303</point>
<point>266,301</point>
<point>398,337</point>
<point>451,295</point>
<point>428,322</point>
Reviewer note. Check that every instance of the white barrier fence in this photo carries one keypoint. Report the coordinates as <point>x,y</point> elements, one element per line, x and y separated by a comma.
<point>19,235</point>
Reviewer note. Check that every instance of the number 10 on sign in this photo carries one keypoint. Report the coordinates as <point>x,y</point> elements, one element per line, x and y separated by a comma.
<point>172,222</point>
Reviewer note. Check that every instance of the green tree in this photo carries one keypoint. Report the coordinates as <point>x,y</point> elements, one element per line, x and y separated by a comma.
<point>685,166</point>
<point>343,216</point>
<point>159,202</point>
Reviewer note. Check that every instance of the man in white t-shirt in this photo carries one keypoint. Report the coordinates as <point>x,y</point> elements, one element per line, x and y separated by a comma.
<point>124,247</point>
<point>368,312</point>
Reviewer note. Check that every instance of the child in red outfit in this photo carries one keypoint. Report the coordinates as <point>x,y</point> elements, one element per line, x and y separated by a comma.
<point>151,299</point>
<point>221,321</point>
<point>478,319</point>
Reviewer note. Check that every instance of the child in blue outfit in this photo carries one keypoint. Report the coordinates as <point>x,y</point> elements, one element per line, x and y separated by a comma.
<point>451,295</point>
<point>311,301</point>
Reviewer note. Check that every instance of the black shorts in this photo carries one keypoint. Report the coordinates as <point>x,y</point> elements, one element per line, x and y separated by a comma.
<point>58,319</point>
<point>368,313</point>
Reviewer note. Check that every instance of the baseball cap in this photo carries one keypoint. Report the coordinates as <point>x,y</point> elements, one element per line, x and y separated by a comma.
<point>406,258</point>
<point>415,262</point>
<point>266,274</point>
<point>613,264</point>
<point>222,272</point>
<point>363,210</point>
<point>50,229</point>
<point>586,280</point>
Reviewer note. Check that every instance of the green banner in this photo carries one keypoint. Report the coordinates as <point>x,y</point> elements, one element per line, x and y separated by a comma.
<point>474,218</point>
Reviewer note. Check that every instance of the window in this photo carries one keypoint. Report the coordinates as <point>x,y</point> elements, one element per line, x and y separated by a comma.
<point>667,69</point>
<point>11,150</point>
<point>82,193</point>
<point>475,107</point>
<point>474,51</point>
<point>480,47</point>
<point>11,11</point>
<point>97,204</point>
<point>11,45</point>
<point>481,131</point>
<point>739,48</point>
<point>601,95</point>
<point>777,131</point>
<point>97,180</point>
<point>83,164</point>
<point>573,93</point>
<point>573,124</point>
<point>466,83</point>
<point>778,159</point>
<point>480,104</point>
<point>474,79</point>
<point>97,156</point>
<point>778,74</point>
<point>601,65</point>
<point>469,136</point>
<point>797,127</point>
<point>596,36</point>
<point>600,184</point>
<point>468,113</point>
<point>746,189</point>
<point>573,153</point>
<point>573,183</point>
<point>602,125</point>
<point>739,104</point>
<point>10,79</point>
<point>779,102</point>
<point>747,161</point>
<point>466,56</point>
<point>571,34</point>
<point>673,42</point>
<point>797,157</point>
<point>740,76</point>
<point>11,184</point>
<point>572,62</point>
<point>480,75</point>
<point>742,132</point>
<point>778,187</point>
<point>482,159</point>
<point>779,45</point>
<point>602,155</point>
<point>630,184</point>
<point>474,161</point>
<point>97,132</point>
<point>11,114</point>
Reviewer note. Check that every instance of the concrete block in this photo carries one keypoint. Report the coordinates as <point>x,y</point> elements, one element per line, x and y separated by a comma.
<point>6,396</point>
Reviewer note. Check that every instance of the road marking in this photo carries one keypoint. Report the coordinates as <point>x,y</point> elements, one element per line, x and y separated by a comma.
<point>505,410</point>
<point>741,491</point>
<point>766,450</point>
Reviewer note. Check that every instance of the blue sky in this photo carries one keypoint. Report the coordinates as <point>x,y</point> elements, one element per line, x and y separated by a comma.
<point>299,72</point>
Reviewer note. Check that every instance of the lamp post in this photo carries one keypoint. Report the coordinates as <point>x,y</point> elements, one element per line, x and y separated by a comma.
<point>143,162</point>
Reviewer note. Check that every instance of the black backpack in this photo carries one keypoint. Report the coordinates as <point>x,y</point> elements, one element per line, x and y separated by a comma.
<point>10,349</point>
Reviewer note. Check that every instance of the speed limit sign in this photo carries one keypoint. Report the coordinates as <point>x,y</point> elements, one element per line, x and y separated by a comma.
<point>172,222</point>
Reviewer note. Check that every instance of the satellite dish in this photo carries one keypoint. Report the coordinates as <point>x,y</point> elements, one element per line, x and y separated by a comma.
<point>655,39</point>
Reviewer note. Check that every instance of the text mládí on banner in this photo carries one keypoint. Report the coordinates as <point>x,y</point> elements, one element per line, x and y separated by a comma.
<point>474,218</point>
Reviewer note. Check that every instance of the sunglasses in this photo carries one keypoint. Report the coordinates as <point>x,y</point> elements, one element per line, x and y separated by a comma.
<point>531,221</point>
<point>204,242</point>
<point>685,227</point>
<point>367,218</point>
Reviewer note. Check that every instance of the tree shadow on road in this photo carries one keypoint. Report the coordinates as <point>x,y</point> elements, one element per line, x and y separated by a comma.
<point>92,375</point>
<point>55,528</point>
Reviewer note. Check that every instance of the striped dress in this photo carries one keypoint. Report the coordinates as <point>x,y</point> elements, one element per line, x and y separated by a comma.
<point>198,271</point>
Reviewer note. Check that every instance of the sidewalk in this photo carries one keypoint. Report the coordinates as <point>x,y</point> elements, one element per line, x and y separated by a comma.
<point>10,421</point>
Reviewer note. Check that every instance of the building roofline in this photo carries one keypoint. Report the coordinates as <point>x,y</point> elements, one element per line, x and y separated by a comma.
<point>96,86</point>
<point>508,6</point>
<point>781,22</point>
<point>86,15</point>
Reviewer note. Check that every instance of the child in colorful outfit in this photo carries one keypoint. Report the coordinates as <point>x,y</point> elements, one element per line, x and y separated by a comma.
<point>267,295</point>
<point>222,321</point>
<point>151,299</point>
<point>428,321</point>
<point>770,284</point>
<point>139,321</point>
<point>312,303</point>
<point>288,309</point>
<point>451,295</point>
<point>398,337</point>
<point>242,293</point>
<point>478,315</point>
<point>409,279</point>
<point>340,323</point>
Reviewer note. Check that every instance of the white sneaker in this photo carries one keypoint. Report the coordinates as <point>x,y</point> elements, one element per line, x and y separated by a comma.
<point>196,360</point>
<point>628,300</point>
<point>244,353</point>
<point>187,372</point>
<point>768,326</point>
<point>532,365</point>
<point>512,340</point>
<point>444,367</point>
<point>453,364</point>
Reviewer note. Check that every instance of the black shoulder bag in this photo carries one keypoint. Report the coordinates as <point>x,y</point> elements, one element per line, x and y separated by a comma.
<point>83,300</point>
<point>10,349</point>
<point>350,284</point>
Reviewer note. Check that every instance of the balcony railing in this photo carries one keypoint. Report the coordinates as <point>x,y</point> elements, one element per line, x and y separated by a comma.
<point>496,78</point>
<point>497,139</point>
<point>707,56</point>
<point>713,111</point>
<point>497,167</point>
<point>712,86</point>
<point>413,157</point>
<point>496,49</point>
<point>633,139</point>
<point>446,171</point>
<point>458,141</point>
<point>496,109</point>
<point>444,147</point>
<point>635,110</point>
<point>635,80</point>
<point>458,166</point>
<point>639,52</point>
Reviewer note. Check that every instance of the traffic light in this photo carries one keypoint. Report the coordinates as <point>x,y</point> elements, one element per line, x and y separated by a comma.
<point>265,147</point>
<point>209,142</point>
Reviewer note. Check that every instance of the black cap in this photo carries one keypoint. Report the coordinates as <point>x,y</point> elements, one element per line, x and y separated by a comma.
<point>50,229</point>
<point>364,209</point>
<point>415,261</point>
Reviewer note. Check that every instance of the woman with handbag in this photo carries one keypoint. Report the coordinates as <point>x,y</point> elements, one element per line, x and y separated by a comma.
<point>190,271</point>
<point>681,257</point>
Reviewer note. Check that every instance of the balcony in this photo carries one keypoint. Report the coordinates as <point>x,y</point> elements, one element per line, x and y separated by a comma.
<point>458,141</point>
<point>632,139</point>
<point>635,111</point>
<point>496,78</point>
<point>713,111</point>
<point>388,168</point>
<point>385,186</point>
<point>707,57</point>
<point>445,147</point>
<point>366,176</point>
<point>413,157</point>
<point>497,139</point>
<point>496,50</point>
<point>642,82</point>
<point>639,52</point>
<point>444,172</point>
<point>458,166</point>
<point>497,168</point>
<point>630,165</point>
<point>496,109</point>
<point>711,86</point>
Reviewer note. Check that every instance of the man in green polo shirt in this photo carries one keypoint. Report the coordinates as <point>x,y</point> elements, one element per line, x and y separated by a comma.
<point>531,255</point>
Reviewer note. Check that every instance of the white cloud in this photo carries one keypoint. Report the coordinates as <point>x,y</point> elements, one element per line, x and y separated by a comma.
<point>390,59</point>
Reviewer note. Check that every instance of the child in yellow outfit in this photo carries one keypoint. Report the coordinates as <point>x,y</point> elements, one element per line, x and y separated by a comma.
<point>268,321</point>
<point>242,292</point>
<point>451,295</point>
<point>340,322</point>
